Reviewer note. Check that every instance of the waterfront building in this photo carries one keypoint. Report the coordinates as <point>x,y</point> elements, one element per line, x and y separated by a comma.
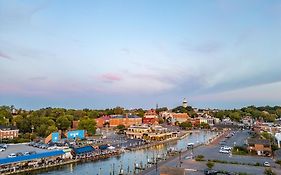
<point>34,160</point>
<point>147,132</point>
<point>8,132</point>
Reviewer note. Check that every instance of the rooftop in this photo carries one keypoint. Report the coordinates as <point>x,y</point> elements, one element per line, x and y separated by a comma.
<point>258,141</point>
<point>2,127</point>
<point>5,161</point>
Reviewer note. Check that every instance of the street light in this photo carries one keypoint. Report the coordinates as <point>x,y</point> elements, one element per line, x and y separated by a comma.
<point>180,157</point>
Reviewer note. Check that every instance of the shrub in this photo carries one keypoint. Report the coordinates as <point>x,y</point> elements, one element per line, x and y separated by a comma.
<point>199,158</point>
<point>210,164</point>
<point>268,171</point>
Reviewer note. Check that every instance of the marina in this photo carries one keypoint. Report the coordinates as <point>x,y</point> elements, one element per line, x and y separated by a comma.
<point>130,162</point>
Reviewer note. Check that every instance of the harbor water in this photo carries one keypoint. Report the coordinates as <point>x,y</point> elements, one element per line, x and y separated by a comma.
<point>127,161</point>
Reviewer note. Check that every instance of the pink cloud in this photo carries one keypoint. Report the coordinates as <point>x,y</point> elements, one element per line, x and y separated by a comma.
<point>2,55</point>
<point>110,77</point>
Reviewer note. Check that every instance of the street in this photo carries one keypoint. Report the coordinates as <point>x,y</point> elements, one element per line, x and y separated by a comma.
<point>211,152</point>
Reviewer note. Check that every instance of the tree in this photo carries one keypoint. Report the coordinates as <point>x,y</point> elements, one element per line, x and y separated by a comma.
<point>219,114</point>
<point>87,124</point>
<point>268,171</point>
<point>22,123</point>
<point>51,129</point>
<point>41,130</point>
<point>63,123</point>
<point>161,120</point>
<point>185,125</point>
<point>121,127</point>
<point>118,110</point>
<point>204,125</point>
<point>210,164</point>
<point>235,116</point>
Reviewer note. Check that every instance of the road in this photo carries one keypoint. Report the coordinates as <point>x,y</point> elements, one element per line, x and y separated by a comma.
<point>211,152</point>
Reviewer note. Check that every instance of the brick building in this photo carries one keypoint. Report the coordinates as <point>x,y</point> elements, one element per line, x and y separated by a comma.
<point>8,132</point>
<point>115,120</point>
<point>150,117</point>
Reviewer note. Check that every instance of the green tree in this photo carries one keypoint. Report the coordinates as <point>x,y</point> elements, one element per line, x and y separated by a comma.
<point>121,127</point>
<point>235,116</point>
<point>22,123</point>
<point>204,125</point>
<point>87,124</point>
<point>41,130</point>
<point>51,129</point>
<point>161,120</point>
<point>185,125</point>
<point>268,171</point>
<point>63,123</point>
<point>210,164</point>
<point>220,115</point>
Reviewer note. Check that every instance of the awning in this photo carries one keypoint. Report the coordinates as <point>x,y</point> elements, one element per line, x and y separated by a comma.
<point>30,157</point>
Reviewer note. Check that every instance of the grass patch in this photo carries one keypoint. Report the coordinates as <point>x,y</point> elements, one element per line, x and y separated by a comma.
<point>239,150</point>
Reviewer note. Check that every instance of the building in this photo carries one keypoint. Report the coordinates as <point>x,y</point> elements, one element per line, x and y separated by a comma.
<point>127,121</point>
<point>115,120</point>
<point>102,121</point>
<point>278,139</point>
<point>261,146</point>
<point>184,103</point>
<point>8,132</point>
<point>75,124</point>
<point>150,117</point>
<point>153,133</point>
<point>180,117</point>
<point>174,118</point>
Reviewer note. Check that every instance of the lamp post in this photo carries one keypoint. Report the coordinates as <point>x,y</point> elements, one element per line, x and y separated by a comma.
<point>156,165</point>
<point>180,157</point>
<point>32,128</point>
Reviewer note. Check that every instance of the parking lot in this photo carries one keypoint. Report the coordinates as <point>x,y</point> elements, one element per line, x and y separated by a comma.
<point>15,148</point>
<point>211,152</point>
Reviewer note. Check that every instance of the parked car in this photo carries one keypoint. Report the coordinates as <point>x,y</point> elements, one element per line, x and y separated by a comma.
<point>267,164</point>
<point>210,172</point>
<point>224,151</point>
<point>19,154</point>
<point>32,152</point>
<point>226,148</point>
<point>43,146</point>
<point>2,149</point>
<point>12,155</point>
<point>52,147</point>
<point>26,153</point>
<point>5,146</point>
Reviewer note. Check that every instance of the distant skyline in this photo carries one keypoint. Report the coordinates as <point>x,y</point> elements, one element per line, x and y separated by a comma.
<point>102,54</point>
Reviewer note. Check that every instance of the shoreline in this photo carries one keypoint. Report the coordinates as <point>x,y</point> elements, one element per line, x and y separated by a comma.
<point>100,157</point>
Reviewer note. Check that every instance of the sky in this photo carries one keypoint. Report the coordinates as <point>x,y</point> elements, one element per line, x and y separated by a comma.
<point>139,53</point>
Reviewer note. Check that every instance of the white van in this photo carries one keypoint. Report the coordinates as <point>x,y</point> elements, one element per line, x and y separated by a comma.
<point>224,151</point>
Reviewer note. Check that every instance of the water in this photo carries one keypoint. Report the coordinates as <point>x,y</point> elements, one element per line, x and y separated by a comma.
<point>126,160</point>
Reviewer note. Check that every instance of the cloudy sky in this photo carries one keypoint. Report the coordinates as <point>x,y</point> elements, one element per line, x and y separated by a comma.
<point>136,53</point>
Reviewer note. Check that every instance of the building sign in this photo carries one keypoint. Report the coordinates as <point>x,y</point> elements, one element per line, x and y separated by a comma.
<point>55,137</point>
<point>76,134</point>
